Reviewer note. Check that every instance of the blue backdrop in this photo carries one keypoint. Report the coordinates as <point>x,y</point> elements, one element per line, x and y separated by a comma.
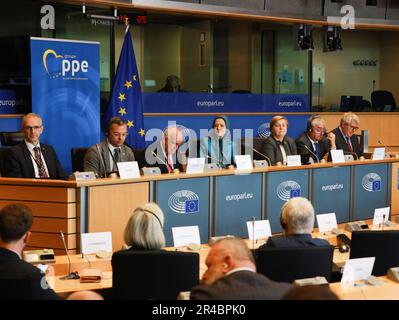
<point>66,93</point>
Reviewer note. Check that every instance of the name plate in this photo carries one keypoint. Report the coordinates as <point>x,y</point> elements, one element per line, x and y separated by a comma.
<point>183,236</point>
<point>294,161</point>
<point>357,269</point>
<point>326,222</point>
<point>379,154</point>
<point>96,241</point>
<point>381,215</point>
<point>259,229</point>
<point>243,162</point>
<point>195,165</point>
<point>128,170</point>
<point>337,156</point>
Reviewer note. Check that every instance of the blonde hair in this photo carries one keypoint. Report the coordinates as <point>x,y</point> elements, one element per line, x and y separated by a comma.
<point>144,228</point>
<point>350,117</point>
<point>275,119</point>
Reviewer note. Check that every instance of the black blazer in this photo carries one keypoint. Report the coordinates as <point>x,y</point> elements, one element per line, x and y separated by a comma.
<point>21,280</point>
<point>271,149</point>
<point>241,285</point>
<point>303,140</point>
<point>160,160</point>
<point>341,143</point>
<point>18,163</point>
<point>294,240</point>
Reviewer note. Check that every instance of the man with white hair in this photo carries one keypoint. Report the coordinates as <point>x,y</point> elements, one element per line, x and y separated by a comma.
<point>297,219</point>
<point>345,134</point>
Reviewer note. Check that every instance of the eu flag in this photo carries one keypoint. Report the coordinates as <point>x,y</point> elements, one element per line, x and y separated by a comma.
<point>126,100</point>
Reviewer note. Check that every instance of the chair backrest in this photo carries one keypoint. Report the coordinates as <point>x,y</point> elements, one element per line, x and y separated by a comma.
<point>3,154</point>
<point>289,264</point>
<point>383,245</point>
<point>77,156</point>
<point>383,101</point>
<point>153,274</point>
<point>256,143</point>
<point>9,139</point>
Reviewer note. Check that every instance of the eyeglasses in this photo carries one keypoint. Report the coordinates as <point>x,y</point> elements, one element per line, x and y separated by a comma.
<point>353,128</point>
<point>318,130</point>
<point>34,128</point>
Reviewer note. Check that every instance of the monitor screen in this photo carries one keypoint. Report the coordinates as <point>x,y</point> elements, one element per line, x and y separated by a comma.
<point>351,103</point>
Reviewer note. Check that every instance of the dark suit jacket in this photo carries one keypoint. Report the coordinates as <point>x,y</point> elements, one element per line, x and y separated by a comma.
<point>241,285</point>
<point>303,139</point>
<point>18,163</point>
<point>21,280</point>
<point>271,149</point>
<point>160,160</point>
<point>341,143</point>
<point>294,240</point>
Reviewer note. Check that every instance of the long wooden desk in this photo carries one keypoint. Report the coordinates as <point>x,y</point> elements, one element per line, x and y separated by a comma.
<point>106,204</point>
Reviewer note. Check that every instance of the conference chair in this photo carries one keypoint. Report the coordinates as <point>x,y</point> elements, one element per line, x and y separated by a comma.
<point>383,245</point>
<point>153,274</point>
<point>77,156</point>
<point>383,101</point>
<point>256,143</point>
<point>9,139</point>
<point>3,154</point>
<point>291,263</point>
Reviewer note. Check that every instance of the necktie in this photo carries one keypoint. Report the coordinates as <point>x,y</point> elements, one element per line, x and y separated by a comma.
<point>317,150</point>
<point>170,163</point>
<point>348,142</point>
<point>39,163</point>
<point>117,158</point>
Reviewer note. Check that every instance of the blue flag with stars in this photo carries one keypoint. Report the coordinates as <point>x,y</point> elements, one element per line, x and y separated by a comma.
<point>126,100</point>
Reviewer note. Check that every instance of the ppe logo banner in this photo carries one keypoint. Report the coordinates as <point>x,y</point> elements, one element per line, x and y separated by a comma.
<point>371,182</point>
<point>66,93</point>
<point>184,202</point>
<point>288,189</point>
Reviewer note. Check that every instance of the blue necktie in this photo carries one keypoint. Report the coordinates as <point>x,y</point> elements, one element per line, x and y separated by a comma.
<point>317,148</point>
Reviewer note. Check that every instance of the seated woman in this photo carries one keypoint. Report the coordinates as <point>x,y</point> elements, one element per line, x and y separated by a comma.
<point>218,146</point>
<point>297,220</point>
<point>144,228</point>
<point>278,146</point>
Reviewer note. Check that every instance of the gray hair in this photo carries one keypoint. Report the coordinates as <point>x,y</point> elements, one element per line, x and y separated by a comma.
<point>144,228</point>
<point>349,118</point>
<point>297,216</point>
<point>235,247</point>
<point>30,115</point>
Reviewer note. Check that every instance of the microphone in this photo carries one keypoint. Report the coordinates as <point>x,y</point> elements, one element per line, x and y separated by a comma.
<point>214,159</point>
<point>261,154</point>
<point>387,149</point>
<point>101,160</point>
<point>352,153</point>
<point>70,275</point>
<point>311,152</point>
<point>383,221</point>
<point>163,162</point>
<point>253,232</point>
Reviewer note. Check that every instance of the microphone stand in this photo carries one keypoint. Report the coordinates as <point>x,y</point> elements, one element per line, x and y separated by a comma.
<point>261,154</point>
<point>70,275</point>
<point>312,153</point>
<point>352,153</point>
<point>253,232</point>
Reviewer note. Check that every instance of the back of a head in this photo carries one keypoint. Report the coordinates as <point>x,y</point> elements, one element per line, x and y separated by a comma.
<point>85,295</point>
<point>297,216</point>
<point>322,292</point>
<point>15,221</point>
<point>236,247</point>
<point>145,228</point>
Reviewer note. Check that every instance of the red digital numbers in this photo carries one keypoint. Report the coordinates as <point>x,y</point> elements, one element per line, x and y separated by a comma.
<point>141,19</point>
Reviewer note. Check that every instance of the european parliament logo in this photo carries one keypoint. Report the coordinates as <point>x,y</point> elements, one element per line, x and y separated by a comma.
<point>371,182</point>
<point>184,202</point>
<point>264,130</point>
<point>288,189</point>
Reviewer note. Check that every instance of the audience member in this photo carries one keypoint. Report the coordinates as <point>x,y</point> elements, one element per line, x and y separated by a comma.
<point>85,295</point>
<point>345,137</point>
<point>19,279</point>
<point>218,146</point>
<point>322,292</point>
<point>144,228</point>
<point>172,84</point>
<point>30,158</point>
<point>231,275</point>
<point>278,146</point>
<point>313,142</point>
<point>297,220</point>
<point>164,152</point>
<point>102,158</point>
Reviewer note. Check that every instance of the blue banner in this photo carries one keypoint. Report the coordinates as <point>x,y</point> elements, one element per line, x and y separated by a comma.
<point>66,93</point>
<point>223,103</point>
<point>15,101</point>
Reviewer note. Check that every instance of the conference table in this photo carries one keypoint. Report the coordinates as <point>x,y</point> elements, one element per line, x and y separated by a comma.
<point>361,291</point>
<point>218,202</point>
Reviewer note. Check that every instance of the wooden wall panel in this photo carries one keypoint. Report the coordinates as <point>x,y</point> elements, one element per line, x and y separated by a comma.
<point>52,240</point>
<point>395,189</point>
<point>54,225</point>
<point>46,209</point>
<point>37,193</point>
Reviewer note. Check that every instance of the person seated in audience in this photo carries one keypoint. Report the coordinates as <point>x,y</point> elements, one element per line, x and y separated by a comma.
<point>313,141</point>
<point>85,295</point>
<point>144,230</point>
<point>345,138</point>
<point>164,153</point>
<point>231,275</point>
<point>218,147</point>
<point>278,145</point>
<point>31,158</point>
<point>172,84</point>
<point>297,220</point>
<point>22,279</point>
<point>322,292</point>
<point>102,158</point>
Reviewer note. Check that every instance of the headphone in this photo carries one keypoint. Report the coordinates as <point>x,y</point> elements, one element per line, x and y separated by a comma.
<point>310,120</point>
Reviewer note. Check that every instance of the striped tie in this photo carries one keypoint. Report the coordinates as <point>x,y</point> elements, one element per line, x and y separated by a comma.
<point>39,163</point>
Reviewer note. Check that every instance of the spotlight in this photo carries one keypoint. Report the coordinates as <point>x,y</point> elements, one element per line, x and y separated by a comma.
<point>332,38</point>
<point>303,37</point>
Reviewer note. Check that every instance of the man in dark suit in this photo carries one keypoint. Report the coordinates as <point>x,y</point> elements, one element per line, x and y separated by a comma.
<point>102,158</point>
<point>231,275</point>
<point>30,158</point>
<point>345,134</point>
<point>164,152</point>
<point>297,219</point>
<point>313,142</point>
<point>19,279</point>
